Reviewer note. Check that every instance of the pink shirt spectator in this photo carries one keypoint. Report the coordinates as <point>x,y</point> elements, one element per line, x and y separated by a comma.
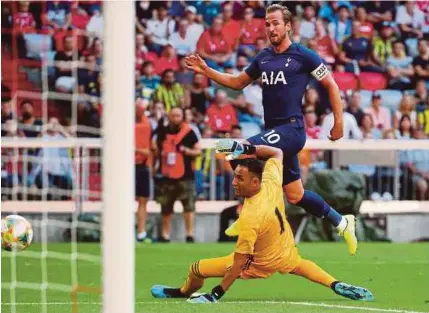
<point>382,119</point>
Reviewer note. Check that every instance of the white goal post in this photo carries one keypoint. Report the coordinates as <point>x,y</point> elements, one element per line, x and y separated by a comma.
<point>118,157</point>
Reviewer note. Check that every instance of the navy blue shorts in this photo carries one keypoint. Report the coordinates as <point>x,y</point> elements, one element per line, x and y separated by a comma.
<point>290,138</point>
<point>142,181</point>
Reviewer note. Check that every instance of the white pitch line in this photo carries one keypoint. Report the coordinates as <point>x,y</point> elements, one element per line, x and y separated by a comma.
<point>315,304</point>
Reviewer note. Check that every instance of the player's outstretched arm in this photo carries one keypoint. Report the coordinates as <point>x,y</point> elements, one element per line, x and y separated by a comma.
<point>337,108</point>
<point>197,64</point>
<point>235,149</point>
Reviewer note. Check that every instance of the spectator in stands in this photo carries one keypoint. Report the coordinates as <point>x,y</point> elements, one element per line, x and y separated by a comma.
<point>149,80</point>
<point>251,29</point>
<point>142,54</point>
<point>367,128</point>
<point>169,92</point>
<point>323,44</point>
<point>410,20</point>
<point>197,95</point>
<point>382,44</point>
<point>236,132</point>
<point>23,20</point>
<point>328,10</point>
<point>406,107</point>
<point>178,146</point>
<point>209,10</point>
<point>253,95</point>
<point>54,166</point>
<point>97,50</point>
<point>168,60</point>
<point>308,27</point>
<point>379,11</point>
<point>231,28</point>
<point>181,40</point>
<point>190,120</point>
<point>366,28</point>
<point>354,107</point>
<point>184,75</point>
<point>399,68</point>
<point>88,77</point>
<point>380,115</point>
<point>6,110</point>
<point>58,16</point>
<point>423,118</point>
<point>79,16</point>
<point>95,25</point>
<point>157,115</point>
<point>65,82</point>
<point>351,128</point>
<point>221,114</point>
<point>311,98</point>
<point>214,47</point>
<point>310,158</point>
<point>417,163</point>
<point>88,115</point>
<point>296,29</point>
<point>29,126</point>
<point>357,48</point>
<point>421,95</point>
<point>195,29</point>
<point>159,29</point>
<point>144,12</point>
<point>405,129</point>
<point>421,62</point>
<point>143,164</point>
<point>341,27</point>
<point>140,51</point>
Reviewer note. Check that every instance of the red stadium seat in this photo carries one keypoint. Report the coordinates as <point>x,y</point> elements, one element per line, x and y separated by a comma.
<point>372,81</point>
<point>346,81</point>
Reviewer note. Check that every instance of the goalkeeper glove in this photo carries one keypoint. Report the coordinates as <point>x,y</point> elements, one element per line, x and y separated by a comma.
<point>213,297</point>
<point>234,148</point>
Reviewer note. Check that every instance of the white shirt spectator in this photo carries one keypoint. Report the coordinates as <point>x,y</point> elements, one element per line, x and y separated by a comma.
<point>253,94</point>
<point>96,25</point>
<point>351,128</point>
<point>307,29</point>
<point>194,32</point>
<point>160,30</point>
<point>54,161</point>
<point>183,46</point>
<point>417,20</point>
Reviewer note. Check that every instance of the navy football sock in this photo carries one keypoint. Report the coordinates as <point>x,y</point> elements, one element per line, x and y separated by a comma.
<point>315,205</point>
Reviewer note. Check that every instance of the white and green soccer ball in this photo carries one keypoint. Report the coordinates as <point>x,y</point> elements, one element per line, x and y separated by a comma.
<point>16,233</point>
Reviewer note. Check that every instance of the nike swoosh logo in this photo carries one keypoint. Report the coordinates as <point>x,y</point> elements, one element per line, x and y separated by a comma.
<point>262,138</point>
<point>263,62</point>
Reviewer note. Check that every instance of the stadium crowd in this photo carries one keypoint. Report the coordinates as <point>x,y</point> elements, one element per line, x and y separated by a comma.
<point>378,52</point>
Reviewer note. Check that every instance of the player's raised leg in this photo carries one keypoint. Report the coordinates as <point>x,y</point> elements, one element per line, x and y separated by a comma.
<point>315,205</point>
<point>198,271</point>
<point>313,272</point>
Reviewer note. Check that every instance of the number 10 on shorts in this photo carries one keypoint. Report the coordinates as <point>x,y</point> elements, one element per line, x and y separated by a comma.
<point>271,137</point>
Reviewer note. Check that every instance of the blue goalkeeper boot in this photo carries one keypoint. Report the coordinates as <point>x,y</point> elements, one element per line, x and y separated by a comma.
<point>352,292</point>
<point>164,292</point>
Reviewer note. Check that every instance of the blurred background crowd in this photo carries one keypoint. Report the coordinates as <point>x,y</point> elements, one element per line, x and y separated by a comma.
<point>378,52</point>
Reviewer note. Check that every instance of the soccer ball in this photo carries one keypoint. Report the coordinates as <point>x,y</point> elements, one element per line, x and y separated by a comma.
<point>16,233</point>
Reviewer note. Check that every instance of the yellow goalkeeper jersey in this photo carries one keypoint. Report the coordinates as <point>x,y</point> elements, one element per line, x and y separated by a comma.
<point>264,231</point>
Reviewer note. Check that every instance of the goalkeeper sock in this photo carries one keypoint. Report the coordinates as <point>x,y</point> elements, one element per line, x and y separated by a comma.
<point>174,293</point>
<point>206,268</point>
<point>314,273</point>
<point>315,205</point>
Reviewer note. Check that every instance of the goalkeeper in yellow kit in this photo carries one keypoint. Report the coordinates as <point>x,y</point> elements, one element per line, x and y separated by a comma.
<point>265,241</point>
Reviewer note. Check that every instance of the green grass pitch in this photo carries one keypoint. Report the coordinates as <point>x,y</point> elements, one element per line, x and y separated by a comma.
<point>397,274</point>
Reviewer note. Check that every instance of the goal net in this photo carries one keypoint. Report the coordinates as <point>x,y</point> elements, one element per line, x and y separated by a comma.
<point>70,189</point>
